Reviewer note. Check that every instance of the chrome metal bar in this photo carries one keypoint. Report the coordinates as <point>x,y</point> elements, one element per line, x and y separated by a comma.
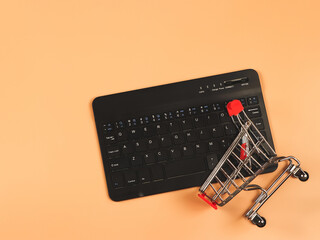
<point>215,191</point>
<point>230,163</point>
<point>222,160</point>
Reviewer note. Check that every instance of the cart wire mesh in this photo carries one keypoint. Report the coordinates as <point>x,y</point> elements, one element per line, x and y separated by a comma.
<point>247,157</point>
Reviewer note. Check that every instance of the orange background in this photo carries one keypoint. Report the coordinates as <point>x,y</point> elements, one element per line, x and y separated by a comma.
<point>57,55</point>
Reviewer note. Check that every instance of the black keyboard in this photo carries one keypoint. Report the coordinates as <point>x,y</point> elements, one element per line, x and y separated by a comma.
<point>170,137</point>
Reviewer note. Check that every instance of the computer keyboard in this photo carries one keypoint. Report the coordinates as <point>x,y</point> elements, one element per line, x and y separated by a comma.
<point>170,137</point>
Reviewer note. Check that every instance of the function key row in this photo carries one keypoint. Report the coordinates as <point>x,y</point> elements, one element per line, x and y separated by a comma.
<point>170,115</point>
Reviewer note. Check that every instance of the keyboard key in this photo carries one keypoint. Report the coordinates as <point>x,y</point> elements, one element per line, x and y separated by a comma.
<point>152,118</point>
<point>243,101</point>
<point>217,131</point>
<point>259,123</point>
<point>162,155</point>
<point>230,129</point>
<point>156,117</point>
<point>107,127</point>
<point>212,160</point>
<point>192,136</point>
<point>186,124</point>
<point>119,124</point>
<point>174,126</point>
<point>152,143</point>
<point>204,109</point>
<point>130,177</point>
<point>199,121</point>
<point>165,141</point>
<point>224,117</point>
<point>252,100</point>
<point>188,150</point>
<point>162,128</point>
<point>127,148</point>
<point>178,138</point>
<point>175,153</point>
<point>143,175</point>
<point>204,134</point>
<point>117,180</point>
<point>180,113</point>
<point>144,120</point>
<point>192,111</point>
<point>201,147</point>
<point>212,119</point>
<point>135,133</point>
<point>167,115</point>
<point>184,167</point>
<point>122,135</point>
<point>132,122</point>
<point>110,139</point>
<point>136,160</point>
<point>224,143</point>
<point>157,172</point>
<point>113,151</point>
<point>118,164</point>
<point>216,107</point>
<point>149,158</point>
<point>140,145</point>
<point>212,146</point>
<point>253,112</point>
<point>149,131</point>
<point>258,135</point>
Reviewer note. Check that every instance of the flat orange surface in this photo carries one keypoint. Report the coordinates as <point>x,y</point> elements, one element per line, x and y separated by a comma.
<point>56,56</point>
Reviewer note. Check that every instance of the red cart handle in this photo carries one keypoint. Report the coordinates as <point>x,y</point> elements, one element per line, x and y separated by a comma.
<point>203,197</point>
<point>234,107</point>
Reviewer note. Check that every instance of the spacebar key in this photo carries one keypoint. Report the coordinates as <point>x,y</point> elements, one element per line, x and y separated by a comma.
<point>184,167</point>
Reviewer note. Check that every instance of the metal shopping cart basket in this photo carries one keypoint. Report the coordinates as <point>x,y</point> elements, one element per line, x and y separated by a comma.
<point>248,156</point>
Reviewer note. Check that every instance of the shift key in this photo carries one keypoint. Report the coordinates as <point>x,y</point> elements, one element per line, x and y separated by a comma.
<point>184,167</point>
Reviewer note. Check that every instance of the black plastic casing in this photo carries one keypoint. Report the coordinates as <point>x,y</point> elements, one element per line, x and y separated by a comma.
<point>169,97</point>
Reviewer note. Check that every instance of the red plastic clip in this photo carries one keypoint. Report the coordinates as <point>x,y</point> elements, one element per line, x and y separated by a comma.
<point>234,107</point>
<point>203,197</point>
<point>243,154</point>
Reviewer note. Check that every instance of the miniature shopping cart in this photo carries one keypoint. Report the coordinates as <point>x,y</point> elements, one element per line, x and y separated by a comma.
<point>247,157</point>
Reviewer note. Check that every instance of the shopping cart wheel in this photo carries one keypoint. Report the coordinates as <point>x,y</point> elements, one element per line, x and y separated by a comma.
<point>259,221</point>
<point>302,175</point>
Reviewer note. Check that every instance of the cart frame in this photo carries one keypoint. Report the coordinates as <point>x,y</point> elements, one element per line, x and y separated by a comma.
<point>256,155</point>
